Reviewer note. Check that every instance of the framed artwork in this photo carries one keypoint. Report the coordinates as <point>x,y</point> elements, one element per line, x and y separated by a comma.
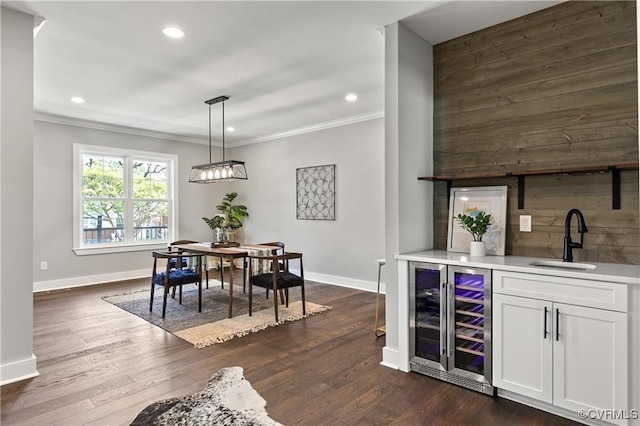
<point>316,192</point>
<point>490,199</point>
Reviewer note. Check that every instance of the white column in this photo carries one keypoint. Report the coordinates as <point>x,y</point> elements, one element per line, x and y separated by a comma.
<point>17,361</point>
<point>408,155</point>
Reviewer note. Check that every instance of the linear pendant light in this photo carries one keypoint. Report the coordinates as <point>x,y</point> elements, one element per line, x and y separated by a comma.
<point>222,170</point>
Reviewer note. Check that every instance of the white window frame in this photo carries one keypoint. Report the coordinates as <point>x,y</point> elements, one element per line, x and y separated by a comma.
<point>82,249</point>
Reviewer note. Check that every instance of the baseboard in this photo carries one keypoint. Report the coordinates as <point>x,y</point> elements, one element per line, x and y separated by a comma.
<point>64,283</point>
<point>343,281</point>
<point>390,357</point>
<point>549,408</point>
<point>89,280</point>
<point>18,370</point>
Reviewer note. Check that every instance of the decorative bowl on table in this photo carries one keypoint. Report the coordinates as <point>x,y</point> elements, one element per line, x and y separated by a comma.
<point>225,244</point>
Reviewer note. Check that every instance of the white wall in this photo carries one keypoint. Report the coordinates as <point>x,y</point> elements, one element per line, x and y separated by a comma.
<point>409,154</point>
<point>341,251</point>
<point>17,360</point>
<point>53,204</point>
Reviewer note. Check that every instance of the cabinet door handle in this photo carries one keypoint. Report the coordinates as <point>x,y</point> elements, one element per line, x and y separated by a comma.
<point>557,324</point>
<point>546,311</point>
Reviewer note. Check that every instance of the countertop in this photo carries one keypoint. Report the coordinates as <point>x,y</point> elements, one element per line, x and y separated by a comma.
<point>612,272</point>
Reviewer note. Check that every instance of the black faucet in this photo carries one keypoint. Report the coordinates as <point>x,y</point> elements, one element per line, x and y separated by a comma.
<point>567,254</point>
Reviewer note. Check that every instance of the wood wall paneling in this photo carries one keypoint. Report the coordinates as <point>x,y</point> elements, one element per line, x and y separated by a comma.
<point>556,88</point>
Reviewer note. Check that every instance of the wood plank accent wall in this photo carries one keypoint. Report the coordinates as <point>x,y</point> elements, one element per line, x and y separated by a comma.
<point>554,88</point>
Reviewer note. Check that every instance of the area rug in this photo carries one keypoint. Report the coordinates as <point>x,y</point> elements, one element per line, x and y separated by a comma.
<point>212,325</point>
<point>228,399</point>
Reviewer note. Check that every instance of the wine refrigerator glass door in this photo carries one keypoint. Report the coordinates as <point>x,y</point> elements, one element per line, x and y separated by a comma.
<point>428,312</point>
<point>470,322</point>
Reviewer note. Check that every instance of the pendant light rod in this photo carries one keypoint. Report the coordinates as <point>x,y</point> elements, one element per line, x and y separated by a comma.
<point>223,129</point>
<point>212,102</point>
<point>222,170</point>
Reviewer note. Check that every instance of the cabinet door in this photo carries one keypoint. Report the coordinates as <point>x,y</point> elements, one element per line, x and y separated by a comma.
<point>522,347</point>
<point>590,358</point>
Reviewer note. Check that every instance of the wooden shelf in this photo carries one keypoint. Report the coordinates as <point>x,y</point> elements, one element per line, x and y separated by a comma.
<point>614,170</point>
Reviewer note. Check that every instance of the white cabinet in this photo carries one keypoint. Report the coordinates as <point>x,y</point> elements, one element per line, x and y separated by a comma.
<point>553,350</point>
<point>589,358</point>
<point>522,351</point>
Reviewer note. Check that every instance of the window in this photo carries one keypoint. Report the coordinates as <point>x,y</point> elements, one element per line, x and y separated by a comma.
<point>123,199</point>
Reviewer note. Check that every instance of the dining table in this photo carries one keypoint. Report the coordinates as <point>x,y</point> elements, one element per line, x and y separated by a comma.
<point>231,252</point>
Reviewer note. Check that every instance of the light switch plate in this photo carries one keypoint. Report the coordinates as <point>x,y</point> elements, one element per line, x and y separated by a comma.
<point>525,223</point>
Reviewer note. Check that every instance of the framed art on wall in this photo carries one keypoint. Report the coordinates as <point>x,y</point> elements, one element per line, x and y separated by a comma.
<point>469,201</point>
<point>315,192</point>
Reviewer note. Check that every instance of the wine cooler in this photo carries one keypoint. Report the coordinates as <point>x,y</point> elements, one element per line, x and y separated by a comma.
<point>450,324</point>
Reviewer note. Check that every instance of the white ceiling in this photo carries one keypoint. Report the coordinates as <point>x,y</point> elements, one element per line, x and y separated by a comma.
<point>285,65</point>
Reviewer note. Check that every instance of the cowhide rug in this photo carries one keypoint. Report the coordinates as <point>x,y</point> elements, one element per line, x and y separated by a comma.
<point>228,399</point>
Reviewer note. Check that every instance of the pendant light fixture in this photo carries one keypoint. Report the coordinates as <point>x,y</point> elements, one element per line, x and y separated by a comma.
<point>222,170</point>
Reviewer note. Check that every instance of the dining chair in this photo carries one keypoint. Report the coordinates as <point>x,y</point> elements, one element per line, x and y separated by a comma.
<point>277,278</point>
<point>205,263</point>
<point>279,250</point>
<point>172,277</point>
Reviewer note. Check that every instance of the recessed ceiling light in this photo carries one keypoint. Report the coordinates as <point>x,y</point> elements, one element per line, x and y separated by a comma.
<point>351,97</point>
<point>77,99</point>
<point>231,129</point>
<point>173,32</point>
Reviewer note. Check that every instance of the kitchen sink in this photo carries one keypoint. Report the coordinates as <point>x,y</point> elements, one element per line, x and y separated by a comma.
<point>564,265</point>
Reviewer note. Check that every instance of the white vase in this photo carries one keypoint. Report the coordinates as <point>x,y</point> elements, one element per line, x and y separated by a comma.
<point>476,248</point>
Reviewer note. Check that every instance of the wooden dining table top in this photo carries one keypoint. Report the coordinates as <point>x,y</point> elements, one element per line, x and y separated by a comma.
<point>242,250</point>
<point>230,252</point>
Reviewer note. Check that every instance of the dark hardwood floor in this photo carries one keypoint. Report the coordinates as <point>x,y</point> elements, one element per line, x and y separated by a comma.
<point>100,365</point>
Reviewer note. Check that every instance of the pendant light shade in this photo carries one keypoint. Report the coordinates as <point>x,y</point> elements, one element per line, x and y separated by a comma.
<point>222,170</point>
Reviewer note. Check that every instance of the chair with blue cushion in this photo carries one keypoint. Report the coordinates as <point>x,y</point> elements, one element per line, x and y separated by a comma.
<point>279,278</point>
<point>205,264</point>
<point>172,277</point>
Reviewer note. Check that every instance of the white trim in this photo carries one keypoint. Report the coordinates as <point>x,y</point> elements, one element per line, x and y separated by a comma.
<point>89,280</point>
<point>549,408</point>
<point>128,154</point>
<point>18,370</point>
<point>86,251</point>
<point>313,128</point>
<point>96,125</point>
<point>390,357</point>
<point>363,285</point>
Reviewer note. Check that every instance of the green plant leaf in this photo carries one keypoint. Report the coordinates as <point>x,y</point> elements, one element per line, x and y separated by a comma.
<point>477,225</point>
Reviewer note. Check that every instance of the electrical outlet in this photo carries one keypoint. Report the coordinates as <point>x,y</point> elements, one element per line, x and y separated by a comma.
<point>44,265</point>
<point>525,223</point>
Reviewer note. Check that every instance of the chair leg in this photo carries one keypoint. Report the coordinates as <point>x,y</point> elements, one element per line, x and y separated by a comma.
<point>304,307</point>
<point>152,291</point>
<point>180,298</point>
<point>250,298</point>
<point>164,301</point>
<point>200,294</point>
<point>221,266</point>
<point>275,303</point>
<point>286,293</point>
<point>244,277</point>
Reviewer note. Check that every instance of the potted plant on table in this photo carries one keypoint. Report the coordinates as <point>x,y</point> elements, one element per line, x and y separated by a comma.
<point>229,220</point>
<point>477,224</point>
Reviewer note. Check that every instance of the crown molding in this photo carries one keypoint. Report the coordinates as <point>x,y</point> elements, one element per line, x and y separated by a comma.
<point>96,125</point>
<point>313,128</point>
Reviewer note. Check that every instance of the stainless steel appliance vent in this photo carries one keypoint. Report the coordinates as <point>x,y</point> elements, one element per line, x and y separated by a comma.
<point>452,378</point>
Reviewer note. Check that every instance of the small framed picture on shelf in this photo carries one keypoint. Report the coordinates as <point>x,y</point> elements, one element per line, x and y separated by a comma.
<point>470,201</point>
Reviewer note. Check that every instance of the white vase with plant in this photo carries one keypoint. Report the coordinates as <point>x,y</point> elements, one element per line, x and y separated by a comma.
<point>477,225</point>
<point>225,224</point>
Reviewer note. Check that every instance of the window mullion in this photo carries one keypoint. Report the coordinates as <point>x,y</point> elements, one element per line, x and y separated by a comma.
<point>128,201</point>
